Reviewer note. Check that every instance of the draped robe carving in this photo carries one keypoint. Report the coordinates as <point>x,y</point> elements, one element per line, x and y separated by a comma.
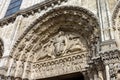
<point>61,44</point>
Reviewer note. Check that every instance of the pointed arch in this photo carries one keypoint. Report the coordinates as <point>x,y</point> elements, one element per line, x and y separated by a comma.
<point>40,20</point>
<point>116,23</point>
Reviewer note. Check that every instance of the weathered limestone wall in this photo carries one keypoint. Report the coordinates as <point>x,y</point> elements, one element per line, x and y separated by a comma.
<point>101,8</point>
<point>116,24</point>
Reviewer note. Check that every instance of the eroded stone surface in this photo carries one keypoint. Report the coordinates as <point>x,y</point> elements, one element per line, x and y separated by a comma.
<point>60,37</point>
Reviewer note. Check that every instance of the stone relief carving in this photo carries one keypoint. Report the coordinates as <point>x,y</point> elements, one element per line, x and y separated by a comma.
<point>56,67</point>
<point>28,37</point>
<point>46,50</point>
<point>74,44</point>
<point>110,56</point>
<point>21,47</point>
<point>34,39</point>
<point>59,45</point>
<point>30,57</point>
<point>114,69</point>
<point>62,44</point>
<point>28,48</point>
<point>27,70</point>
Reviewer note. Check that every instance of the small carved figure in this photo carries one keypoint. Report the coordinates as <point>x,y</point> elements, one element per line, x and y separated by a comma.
<point>34,39</point>
<point>21,47</point>
<point>28,37</point>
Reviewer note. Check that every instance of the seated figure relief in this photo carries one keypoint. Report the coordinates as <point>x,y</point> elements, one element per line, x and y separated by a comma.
<point>61,44</point>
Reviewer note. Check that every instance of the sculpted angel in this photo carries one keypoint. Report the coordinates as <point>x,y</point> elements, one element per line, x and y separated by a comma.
<point>46,51</point>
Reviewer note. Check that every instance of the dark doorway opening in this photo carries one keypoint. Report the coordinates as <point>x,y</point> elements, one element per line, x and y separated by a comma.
<point>72,76</point>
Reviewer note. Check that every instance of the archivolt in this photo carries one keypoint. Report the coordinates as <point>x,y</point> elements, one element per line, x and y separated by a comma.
<point>85,20</point>
<point>116,23</point>
<point>116,12</point>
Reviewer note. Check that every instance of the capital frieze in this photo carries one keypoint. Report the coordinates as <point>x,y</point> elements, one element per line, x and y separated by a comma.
<point>110,56</point>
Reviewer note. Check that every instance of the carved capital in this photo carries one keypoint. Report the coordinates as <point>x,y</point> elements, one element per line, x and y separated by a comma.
<point>111,56</point>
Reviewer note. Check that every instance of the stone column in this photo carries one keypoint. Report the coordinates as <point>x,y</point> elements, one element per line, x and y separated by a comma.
<point>85,74</point>
<point>100,74</point>
<point>12,62</point>
<point>90,74</point>
<point>95,76</point>
<point>107,72</point>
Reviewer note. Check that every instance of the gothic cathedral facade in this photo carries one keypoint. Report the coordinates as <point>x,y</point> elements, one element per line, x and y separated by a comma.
<point>59,39</point>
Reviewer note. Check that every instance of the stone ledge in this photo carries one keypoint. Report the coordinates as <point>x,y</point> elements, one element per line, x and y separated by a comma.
<point>30,11</point>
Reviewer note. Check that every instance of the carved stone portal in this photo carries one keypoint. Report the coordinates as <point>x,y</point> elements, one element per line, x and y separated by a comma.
<point>63,53</point>
<point>64,65</point>
<point>55,44</point>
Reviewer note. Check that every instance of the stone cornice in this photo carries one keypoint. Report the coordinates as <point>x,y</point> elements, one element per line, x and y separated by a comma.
<point>76,60</point>
<point>108,42</point>
<point>30,11</point>
<point>110,56</point>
